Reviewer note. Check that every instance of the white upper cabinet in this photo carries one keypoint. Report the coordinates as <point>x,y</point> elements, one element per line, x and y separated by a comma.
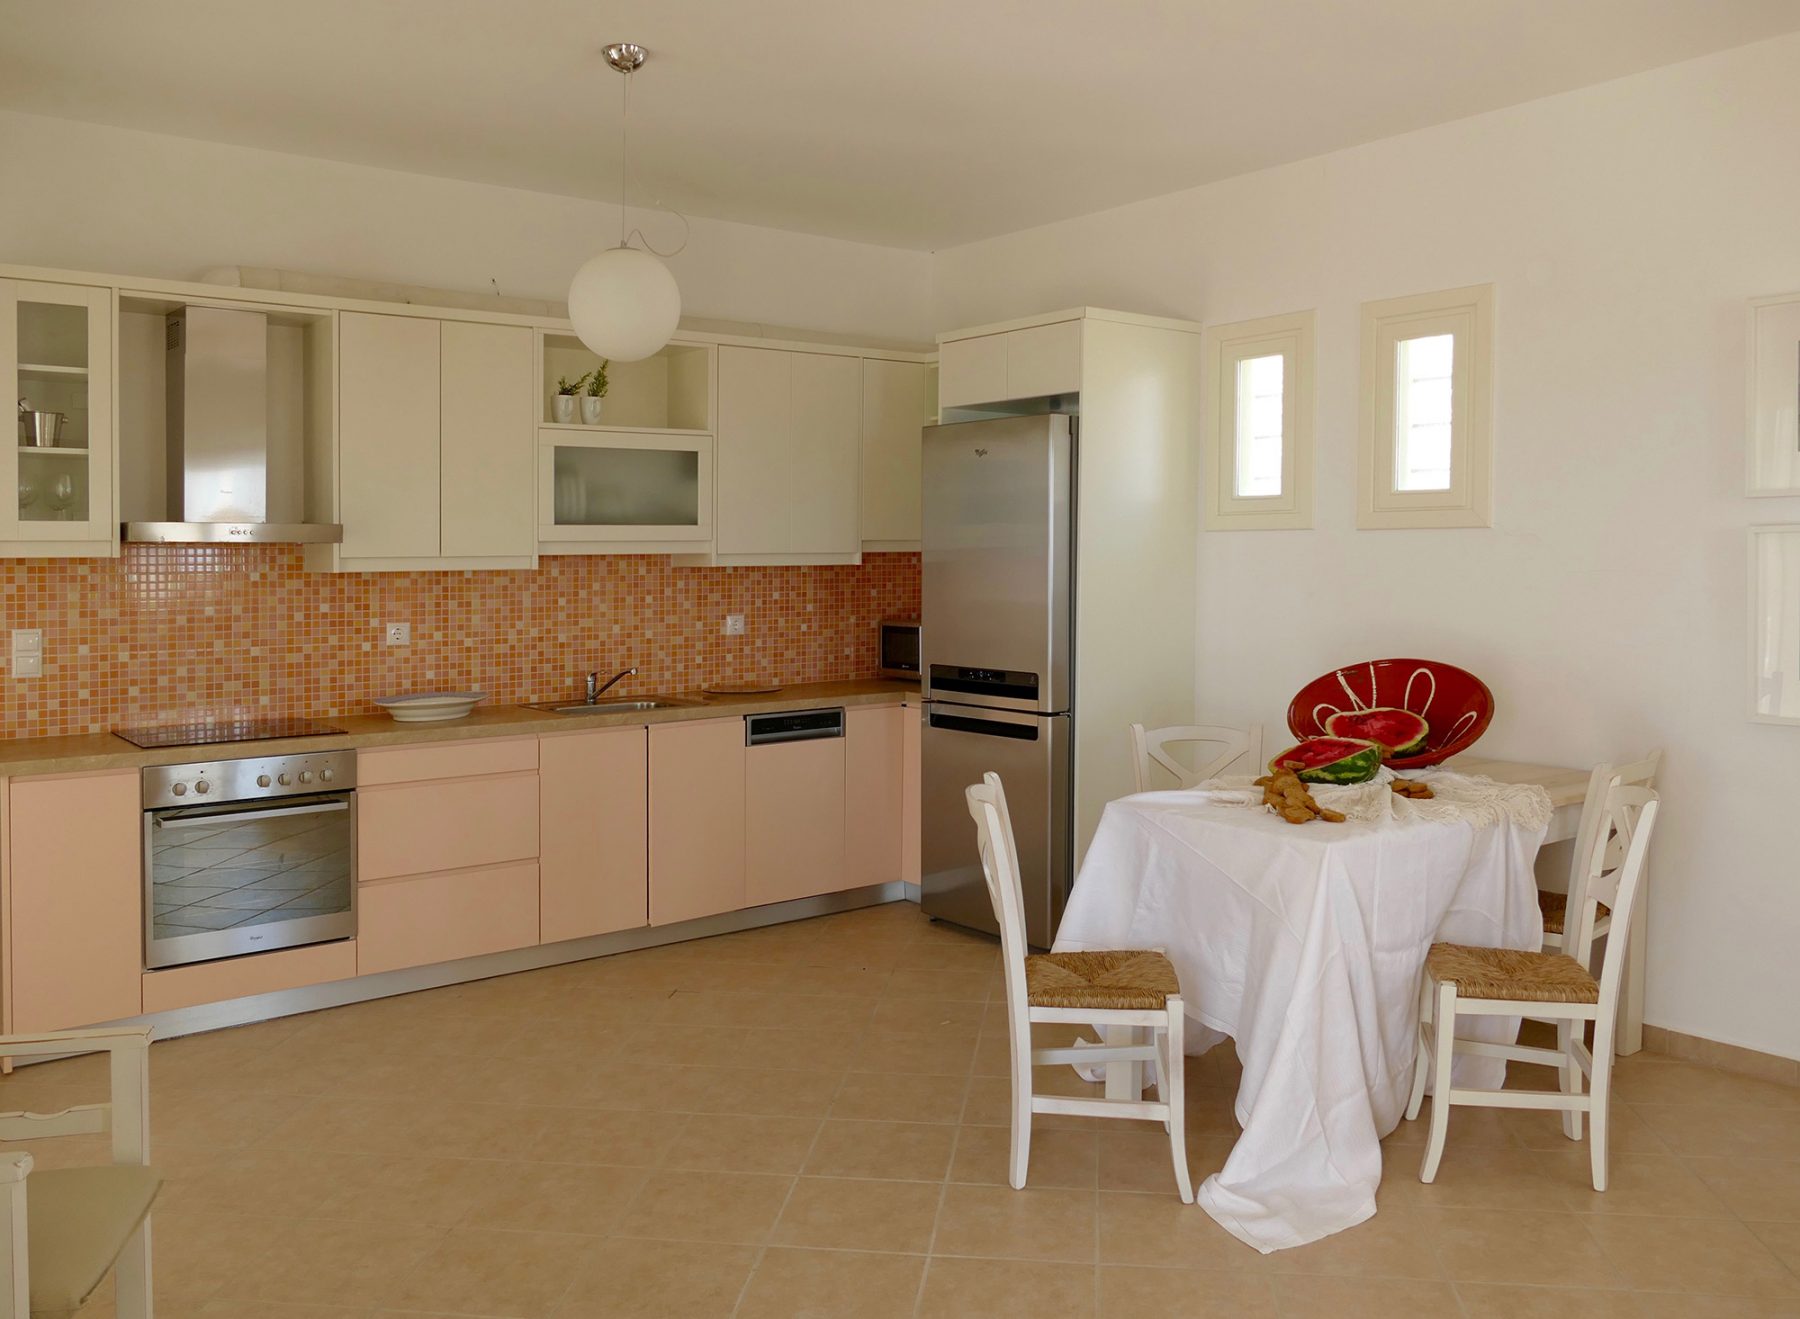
<point>56,355</point>
<point>789,445</point>
<point>435,443</point>
<point>1031,362</point>
<point>898,402</point>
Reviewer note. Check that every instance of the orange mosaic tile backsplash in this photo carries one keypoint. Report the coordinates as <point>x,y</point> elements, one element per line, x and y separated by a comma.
<point>168,633</point>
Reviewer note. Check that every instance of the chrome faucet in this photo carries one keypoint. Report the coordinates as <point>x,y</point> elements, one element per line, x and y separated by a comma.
<point>595,687</point>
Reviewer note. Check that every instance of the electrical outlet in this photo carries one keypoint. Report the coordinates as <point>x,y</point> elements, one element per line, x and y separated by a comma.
<point>27,652</point>
<point>399,634</point>
<point>734,625</point>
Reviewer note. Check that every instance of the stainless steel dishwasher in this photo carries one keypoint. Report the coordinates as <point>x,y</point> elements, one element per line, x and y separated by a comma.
<point>796,767</point>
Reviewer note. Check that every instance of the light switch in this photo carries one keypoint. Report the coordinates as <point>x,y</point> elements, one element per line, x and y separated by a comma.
<point>28,652</point>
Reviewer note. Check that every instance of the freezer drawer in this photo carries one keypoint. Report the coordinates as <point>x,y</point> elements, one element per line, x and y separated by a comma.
<point>1030,753</point>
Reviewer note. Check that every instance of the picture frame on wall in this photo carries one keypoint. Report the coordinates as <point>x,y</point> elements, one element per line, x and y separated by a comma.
<point>1775,624</point>
<point>1774,399</point>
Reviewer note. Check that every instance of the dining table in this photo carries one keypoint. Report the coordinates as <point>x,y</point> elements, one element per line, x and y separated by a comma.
<point>1304,945</point>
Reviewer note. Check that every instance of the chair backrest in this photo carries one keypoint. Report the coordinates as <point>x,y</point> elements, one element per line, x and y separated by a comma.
<point>1000,867</point>
<point>1594,823</point>
<point>1149,749</point>
<point>1615,877</point>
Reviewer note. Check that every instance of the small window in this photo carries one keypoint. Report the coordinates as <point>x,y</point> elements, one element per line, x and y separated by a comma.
<point>1425,457</point>
<point>1258,432</point>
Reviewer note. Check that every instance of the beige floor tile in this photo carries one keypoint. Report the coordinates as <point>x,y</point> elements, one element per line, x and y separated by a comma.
<point>406,1189</point>
<point>1135,1156</point>
<point>1482,1300</point>
<point>331,1262</point>
<point>1648,1079</point>
<point>1542,1130</point>
<point>757,1092</point>
<point>857,1214</point>
<point>196,1250</point>
<point>658,1280</point>
<point>939,982</point>
<point>1720,1129</point>
<point>1470,1128</point>
<point>1058,1158</point>
<point>928,1014</point>
<point>730,1143</point>
<point>902,1151</point>
<point>1752,1187</point>
<point>1476,1178</point>
<point>1038,1223</point>
<point>1692,1255</point>
<point>520,1275</point>
<point>842,1284</point>
<point>900,1097</point>
<point>1495,1245</point>
<point>737,1208</point>
<point>1178,1293</point>
<point>603,1136</point>
<point>791,1048</point>
<point>1395,1243</point>
<point>587,1199</point>
<point>1676,1305</point>
<point>266,1310</point>
<point>1658,1184</point>
<point>1363,1298</point>
<point>990,1102</point>
<point>948,1052</point>
<point>1784,1240</point>
<point>1006,1289</point>
<point>1157,1230</point>
<point>253,1180</point>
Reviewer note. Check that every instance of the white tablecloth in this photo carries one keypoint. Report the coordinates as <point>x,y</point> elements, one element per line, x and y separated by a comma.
<point>1305,944</point>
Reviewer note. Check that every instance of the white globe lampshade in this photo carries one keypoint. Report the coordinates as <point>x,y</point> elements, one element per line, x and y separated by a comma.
<point>624,304</point>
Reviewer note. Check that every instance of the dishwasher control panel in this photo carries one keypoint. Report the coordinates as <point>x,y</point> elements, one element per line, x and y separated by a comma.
<point>793,726</point>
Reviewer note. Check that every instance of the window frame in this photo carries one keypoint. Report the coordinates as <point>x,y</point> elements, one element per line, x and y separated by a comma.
<point>1467,315</point>
<point>1223,348</point>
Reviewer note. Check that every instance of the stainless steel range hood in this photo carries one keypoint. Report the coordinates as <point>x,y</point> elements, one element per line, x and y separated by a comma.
<point>229,480</point>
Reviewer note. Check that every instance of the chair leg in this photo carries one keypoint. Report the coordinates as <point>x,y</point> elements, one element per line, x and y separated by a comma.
<point>1443,1050</point>
<point>1021,1112</point>
<point>1600,1099</point>
<point>1422,1059</point>
<point>1165,1063</point>
<point>1172,1060</point>
<point>131,1276</point>
<point>1570,1076</point>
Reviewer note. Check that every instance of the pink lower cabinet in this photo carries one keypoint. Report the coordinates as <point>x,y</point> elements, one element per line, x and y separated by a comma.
<point>423,919</point>
<point>594,808</point>
<point>75,937</point>
<point>874,751</point>
<point>911,783</point>
<point>696,819</point>
<point>795,820</point>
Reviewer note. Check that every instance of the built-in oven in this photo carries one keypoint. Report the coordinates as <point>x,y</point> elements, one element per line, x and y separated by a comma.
<point>244,856</point>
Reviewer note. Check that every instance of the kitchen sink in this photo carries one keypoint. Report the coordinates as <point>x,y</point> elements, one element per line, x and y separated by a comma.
<point>607,705</point>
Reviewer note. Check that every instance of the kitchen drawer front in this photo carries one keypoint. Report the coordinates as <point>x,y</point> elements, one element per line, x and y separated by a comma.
<point>446,760</point>
<point>240,977</point>
<point>417,828</point>
<point>443,917</point>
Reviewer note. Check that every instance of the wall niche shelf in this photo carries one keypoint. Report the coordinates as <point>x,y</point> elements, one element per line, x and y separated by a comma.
<point>671,390</point>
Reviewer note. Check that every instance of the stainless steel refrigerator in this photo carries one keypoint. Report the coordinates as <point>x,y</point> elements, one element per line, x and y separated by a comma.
<point>997,656</point>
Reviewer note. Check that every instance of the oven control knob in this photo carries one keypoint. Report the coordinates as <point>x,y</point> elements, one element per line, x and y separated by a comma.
<point>263,780</point>
<point>326,776</point>
<point>283,780</point>
<point>179,789</point>
<point>202,787</point>
<point>306,776</point>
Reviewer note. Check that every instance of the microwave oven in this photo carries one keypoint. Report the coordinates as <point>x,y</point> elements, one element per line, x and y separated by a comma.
<point>899,648</point>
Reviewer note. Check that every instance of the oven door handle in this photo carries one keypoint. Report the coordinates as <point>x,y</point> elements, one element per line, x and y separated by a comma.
<point>190,821</point>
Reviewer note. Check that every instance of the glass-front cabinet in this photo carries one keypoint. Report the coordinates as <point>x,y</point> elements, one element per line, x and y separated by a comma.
<point>623,491</point>
<point>56,359</point>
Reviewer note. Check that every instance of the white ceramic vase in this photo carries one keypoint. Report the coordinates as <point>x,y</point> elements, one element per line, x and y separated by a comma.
<point>562,408</point>
<point>590,410</point>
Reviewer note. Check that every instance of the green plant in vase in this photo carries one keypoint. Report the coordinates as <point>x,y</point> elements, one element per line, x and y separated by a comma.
<point>563,405</point>
<point>595,387</point>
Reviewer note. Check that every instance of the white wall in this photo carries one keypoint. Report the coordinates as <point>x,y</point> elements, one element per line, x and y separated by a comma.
<point>86,197</point>
<point>1624,226</point>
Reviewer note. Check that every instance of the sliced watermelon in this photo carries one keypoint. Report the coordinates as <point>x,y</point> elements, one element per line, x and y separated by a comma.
<point>1331,760</point>
<point>1401,732</point>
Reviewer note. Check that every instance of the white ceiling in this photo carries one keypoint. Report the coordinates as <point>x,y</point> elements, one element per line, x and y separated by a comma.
<point>912,123</point>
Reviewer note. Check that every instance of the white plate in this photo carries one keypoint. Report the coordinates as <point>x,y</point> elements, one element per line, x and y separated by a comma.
<point>428,707</point>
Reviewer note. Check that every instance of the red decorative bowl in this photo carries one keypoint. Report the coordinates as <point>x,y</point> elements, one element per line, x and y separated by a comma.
<point>1456,703</point>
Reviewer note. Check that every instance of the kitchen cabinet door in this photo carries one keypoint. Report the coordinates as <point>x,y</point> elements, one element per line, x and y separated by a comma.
<point>875,749</point>
<point>824,455</point>
<point>794,822</point>
<point>1043,359</point>
<point>595,858</point>
<point>754,452</point>
<point>697,805</point>
<point>415,828</point>
<point>897,404</point>
<point>75,943</point>
<point>488,440</point>
<point>972,371</point>
<point>911,785</point>
<point>388,418</point>
<point>424,919</point>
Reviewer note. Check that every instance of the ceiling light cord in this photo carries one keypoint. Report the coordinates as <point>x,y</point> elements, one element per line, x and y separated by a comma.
<point>628,232</point>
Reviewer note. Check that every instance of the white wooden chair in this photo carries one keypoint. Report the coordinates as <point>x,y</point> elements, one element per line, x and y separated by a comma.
<point>1149,750</point>
<point>1137,990</point>
<point>1509,983</point>
<point>1636,774</point>
<point>61,1229</point>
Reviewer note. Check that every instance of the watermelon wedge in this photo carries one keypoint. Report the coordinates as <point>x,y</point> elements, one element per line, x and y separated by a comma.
<point>1331,760</point>
<point>1398,732</point>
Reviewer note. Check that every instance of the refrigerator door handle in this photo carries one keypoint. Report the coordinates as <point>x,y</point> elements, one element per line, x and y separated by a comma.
<point>985,721</point>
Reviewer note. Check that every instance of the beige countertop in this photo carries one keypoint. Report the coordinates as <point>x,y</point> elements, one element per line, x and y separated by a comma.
<point>97,751</point>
